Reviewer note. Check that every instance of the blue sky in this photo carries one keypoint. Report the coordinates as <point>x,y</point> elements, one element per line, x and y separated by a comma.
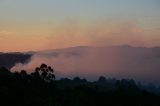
<point>45,10</point>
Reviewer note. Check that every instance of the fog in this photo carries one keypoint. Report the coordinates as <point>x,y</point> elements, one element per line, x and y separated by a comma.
<point>141,64</point>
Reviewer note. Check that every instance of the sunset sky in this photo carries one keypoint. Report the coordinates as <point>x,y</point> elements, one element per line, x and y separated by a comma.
<point>31,25</point>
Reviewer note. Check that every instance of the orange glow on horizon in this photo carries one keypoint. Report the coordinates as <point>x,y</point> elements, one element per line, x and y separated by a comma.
<point>76,34</point>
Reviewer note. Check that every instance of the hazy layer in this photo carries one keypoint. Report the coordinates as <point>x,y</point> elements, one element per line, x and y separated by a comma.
<point>90,62</point>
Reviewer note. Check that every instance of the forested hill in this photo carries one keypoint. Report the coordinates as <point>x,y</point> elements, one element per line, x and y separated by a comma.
<point>10,59</point>
<point>41,89</point>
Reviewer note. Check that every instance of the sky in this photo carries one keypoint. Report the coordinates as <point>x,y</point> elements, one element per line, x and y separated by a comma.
<point>32,25</point>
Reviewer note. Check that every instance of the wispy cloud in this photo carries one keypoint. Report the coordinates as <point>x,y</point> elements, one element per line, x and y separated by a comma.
<point>103,33</point>
<point>4,32</point>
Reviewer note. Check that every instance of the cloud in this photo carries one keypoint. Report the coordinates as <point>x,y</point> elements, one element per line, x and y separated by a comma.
<point>5,33</point>
<point>102,33</point>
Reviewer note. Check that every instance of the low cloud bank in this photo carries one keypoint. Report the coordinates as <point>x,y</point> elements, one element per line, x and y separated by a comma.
<point>90,62</point>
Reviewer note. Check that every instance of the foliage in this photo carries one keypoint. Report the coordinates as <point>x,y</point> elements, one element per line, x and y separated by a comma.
<point>41,89</point>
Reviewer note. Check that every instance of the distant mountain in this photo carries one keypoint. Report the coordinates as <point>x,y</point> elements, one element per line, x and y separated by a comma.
<point>124,51</point>
<point>79,50</point>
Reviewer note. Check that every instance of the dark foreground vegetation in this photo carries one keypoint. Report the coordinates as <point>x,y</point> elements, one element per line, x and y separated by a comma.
<point>41,89</point>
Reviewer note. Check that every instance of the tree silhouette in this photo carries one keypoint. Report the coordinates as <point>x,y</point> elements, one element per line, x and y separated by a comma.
<point>76,79</point>
<point>23,73</point>
<point>102,79</point>
<point>4,71</point>
<point>37,89</point>
<point>44,72</point>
